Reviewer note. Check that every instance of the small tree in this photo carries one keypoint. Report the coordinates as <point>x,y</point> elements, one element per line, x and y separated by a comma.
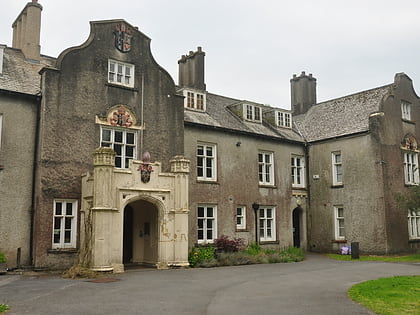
<point>409,200</point>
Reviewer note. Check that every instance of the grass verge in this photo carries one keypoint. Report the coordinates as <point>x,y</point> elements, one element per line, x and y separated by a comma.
<point>389,296</point>
<point>405,258</point>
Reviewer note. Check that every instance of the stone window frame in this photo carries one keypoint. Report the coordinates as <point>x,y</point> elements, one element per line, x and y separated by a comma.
<point>205,227</point>
<point>240,217</point>
<point>283,119</point>
<point>267,223</point>
<point>414,224</point>
<point>411,167</point>
<point>114,74</point>
<point>337,168</point>
<point>205,159</point>
<point>339,223</point>
<point>265,168</point>
<point>298,171</point>
<point>62,220</point>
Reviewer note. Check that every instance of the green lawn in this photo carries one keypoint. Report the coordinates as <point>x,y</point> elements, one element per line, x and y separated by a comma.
<point>389,296</point>
<point>413,258</point>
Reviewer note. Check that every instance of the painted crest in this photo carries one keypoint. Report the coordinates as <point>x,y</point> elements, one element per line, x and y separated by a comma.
<point>121,117</point>
<point>145,168</point>
<point>123,37</point>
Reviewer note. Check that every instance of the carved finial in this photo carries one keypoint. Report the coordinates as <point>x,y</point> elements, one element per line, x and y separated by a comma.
<point>146,158</point>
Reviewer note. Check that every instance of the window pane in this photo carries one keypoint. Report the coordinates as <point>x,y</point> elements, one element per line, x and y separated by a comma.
<point>200,234</point>
<point>210,212</point>
<point>69,208</point>
<point>67,237</point>
<point>58,208</point>
<point>118,161</point>
<point>209,224</point>
<point>56,237</point>
<point>130,138</point>
<point>200,150</point>
<point>67,224</point>
<point>209,151</point>
<point>209,234</point>
<point>106,135</point>
<point>201,212</point>
<point>57,223</point>
<point>118,136</point>
<point>200,223</point>
<point>129,151</point>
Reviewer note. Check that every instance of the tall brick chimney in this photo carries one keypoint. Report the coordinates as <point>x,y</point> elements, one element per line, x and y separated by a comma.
<point>191,70</point>
<point>303,93</point>
<point>27,29</point>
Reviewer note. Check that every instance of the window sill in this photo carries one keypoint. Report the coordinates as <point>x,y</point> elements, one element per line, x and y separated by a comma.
<point>63,251</point>
<point>414,240</point>
<point>411,185</point>
<point>339,241</point>
<point>242,230</point>
<point>201,181</point>
<point>268,242</point>
<point>122,87</point>
<point>337,186</point>
<point>408,121</point>
<point>298,187</point>
<point>266,186</point>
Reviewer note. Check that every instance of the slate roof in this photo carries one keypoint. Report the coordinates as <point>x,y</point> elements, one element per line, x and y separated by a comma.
<point>20,75</point>
<point>342,116</point>
<point>219,115</point>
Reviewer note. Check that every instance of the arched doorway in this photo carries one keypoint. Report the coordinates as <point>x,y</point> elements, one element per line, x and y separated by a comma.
<point>141,233</point>
<point>296,218</point>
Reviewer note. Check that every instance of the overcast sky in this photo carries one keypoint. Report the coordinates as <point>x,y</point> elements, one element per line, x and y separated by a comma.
<point>254,47</point>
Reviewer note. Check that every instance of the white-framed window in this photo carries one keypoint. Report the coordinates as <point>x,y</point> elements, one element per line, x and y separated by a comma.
<point>283,119</point>
<point>1,128</point>
<point>241,218</point>
<point>122,141</point>
<point>266,168</point>
<point>120,73</point>
<point>206,162</point>
<point>340,233</point>
<point>194,100</point>
<point>411,168</point>
<point>298,171</point>
<point>64,223</point>
<point>414,224</point>
<point>206,223</point>
<point>406,110</point>
<point>337,168</point>
<point>252,112</point>
<point>267,223</point>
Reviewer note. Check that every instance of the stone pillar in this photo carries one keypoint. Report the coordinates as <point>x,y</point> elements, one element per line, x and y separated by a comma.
<point>181,168</point>
<point>104,209</point>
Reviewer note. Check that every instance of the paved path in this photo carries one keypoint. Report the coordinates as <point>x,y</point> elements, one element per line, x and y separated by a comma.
<point>315,286</point>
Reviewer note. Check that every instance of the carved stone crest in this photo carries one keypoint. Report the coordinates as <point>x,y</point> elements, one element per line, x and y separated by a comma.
<point>145,168</point>
<point>123,37</point>
<point>121,117</point>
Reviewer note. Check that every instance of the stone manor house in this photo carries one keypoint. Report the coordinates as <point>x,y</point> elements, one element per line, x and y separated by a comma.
<point>104,159</point>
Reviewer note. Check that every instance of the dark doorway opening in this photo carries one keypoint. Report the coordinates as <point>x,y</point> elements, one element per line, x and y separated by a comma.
<point>296,227</point>
<point>128,235</point>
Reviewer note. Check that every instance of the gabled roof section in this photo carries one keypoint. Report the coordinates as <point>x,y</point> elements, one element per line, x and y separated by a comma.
<point>19,75</point>
<point>342,116</point>
<point>219,115</point>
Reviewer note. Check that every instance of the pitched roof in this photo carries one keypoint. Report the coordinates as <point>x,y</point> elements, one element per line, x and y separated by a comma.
<point>342,116</point>
<point>219,115</point>
<point>20,75</point>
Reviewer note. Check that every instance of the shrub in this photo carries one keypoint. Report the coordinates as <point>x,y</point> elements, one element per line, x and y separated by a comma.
<point>2,257</point>
<point>235,259</point>
<point>201,256</point>
<point>254,249</point>
<point>224,244</point>
<point>3,308</point>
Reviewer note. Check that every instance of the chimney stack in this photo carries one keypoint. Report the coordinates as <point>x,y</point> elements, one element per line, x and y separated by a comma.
<point>191,70</point>
<point>26,31</point>
<point>303,93</point>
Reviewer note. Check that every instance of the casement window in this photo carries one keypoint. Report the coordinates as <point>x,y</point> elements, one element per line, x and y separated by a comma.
<point>123,142</point>
<point>283,119</point>
<point>298,171</point>
<point>337,168</point>
<point>414,224</point>
<point>267,224</point>
<point>207,223</point>
<point>120,73</point>
<point>64,224</point>
<point>406,110</point>
<point>339,223</point>
<point>252,113</point>
<point>240,218</point>
<point>206,162</point>
<point>194,100</point>
<point>266,168</point>
<point>411,168</point>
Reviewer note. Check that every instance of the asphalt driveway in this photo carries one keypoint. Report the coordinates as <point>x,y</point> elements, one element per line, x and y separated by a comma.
<point>317,285</point>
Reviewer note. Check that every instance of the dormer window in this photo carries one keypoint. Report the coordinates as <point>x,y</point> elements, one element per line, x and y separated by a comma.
<point>195,100</point>
<point>406,110</point>
<point>252,113</point>
<point>283,119</point>
<point>120,73</point>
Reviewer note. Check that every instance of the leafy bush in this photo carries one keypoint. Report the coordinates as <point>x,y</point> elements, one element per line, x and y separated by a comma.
<point>254,249</point>
<point>3,308</point>
<point>2,257</point>
<point>201,256</point>
<point>224,244</point>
